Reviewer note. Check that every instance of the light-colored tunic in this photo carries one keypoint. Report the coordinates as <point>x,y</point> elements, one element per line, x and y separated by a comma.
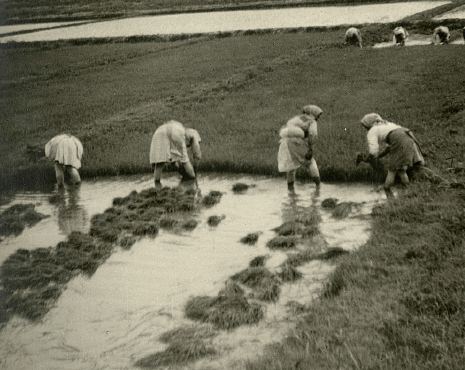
<point>399,34</point>
<point>169,143</point>
<point>377,134</point>
<point>293,144</point>
<point>443,33</point>
<point>353,35</point>
<point>65,149</point>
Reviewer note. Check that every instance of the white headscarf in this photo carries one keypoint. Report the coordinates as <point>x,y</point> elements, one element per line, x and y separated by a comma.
<point>312,110</point>
<point>370,119</point>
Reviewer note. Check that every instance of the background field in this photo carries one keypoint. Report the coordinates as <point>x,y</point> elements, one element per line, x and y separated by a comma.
<point>237,91</point>
<point>19,11</point>
<point>396,303</point>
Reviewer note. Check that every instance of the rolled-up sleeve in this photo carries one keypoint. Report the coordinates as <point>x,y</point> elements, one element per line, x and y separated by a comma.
<point>196,151</point>
<point>373,144</point>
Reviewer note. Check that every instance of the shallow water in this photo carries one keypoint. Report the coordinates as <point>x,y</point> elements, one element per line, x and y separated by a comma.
<point>416,40</point>
<point>210,22</point>
<point>4,30</point>
<point>457,13</point>
<point>114,318</point>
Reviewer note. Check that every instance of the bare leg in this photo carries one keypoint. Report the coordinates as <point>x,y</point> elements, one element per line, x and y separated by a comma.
<point>291,180</point>
<point>403,176</point>
<point>189,169</point>
<point>74,175</point>
<point>60,175</point>
<point>390,178</point>
<point>158,169</point>
<point>314,173</point>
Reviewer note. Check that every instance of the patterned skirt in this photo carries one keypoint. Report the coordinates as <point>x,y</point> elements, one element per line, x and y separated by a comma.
<point>404,150</point>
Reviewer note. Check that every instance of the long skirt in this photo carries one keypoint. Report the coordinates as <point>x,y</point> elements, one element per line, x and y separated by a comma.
<point>404,150</point>
<point>291,156</point>
<point>169,144</point>
<point>66,150</point>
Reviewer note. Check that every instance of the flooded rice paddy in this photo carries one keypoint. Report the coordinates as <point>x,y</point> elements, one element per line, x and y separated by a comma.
<point>116,317</point>
<point>416,40</point>
<point>457,13</point>
<point>212,22</point>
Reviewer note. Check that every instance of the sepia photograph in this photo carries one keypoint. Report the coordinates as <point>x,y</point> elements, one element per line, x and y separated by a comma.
<point>232,184</point>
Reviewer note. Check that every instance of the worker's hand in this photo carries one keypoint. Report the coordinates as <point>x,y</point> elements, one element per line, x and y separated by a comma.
<point>309,154</point>
<point>362,157</point>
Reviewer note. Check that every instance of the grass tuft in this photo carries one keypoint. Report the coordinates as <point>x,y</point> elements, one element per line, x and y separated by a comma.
<point>282,242</point>
<point>250,239</point>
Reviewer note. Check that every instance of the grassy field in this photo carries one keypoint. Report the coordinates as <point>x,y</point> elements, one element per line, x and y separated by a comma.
<point>397,302</point>
<point>237,91</point>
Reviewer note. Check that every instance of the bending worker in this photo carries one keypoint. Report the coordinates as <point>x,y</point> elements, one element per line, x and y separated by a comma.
<point>296,145</point>
<point>442,33</point>
<point>169,146</point>
<point>66,152</point>
<point>399,35</point>
<point>353,36</point>
<point>402,149</point>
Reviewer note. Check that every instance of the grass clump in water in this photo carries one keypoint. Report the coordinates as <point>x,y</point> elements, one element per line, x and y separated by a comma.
<point>31,281</point>
<point>291,232</point>
<point>177,353</point>
<point>15,218</point>
<point>215,220</point>
<point>282,242</point>
<point>329,203</point>
<point>290,228</point>
<point>240,188</point>
<point>265,284</point>
<point>342,210</point>
<point>289,273</point>
<point>250,239</point>
<point>168,223</point>
<point>189,224</point>
<point>212,198</point>
<point>224,312</point>
<point>258,261</point>
<point>185,345</point>
<point>126,242</point>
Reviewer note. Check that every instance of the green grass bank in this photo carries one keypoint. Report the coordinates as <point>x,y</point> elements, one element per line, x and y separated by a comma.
<point>237,90</point>
<point>397,302</point>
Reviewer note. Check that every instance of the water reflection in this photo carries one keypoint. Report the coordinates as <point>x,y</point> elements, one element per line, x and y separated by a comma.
<point>72,216</point>
<point>116,317</point>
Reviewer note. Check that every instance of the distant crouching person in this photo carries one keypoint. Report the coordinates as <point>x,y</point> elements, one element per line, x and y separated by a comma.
<point>169,146</point>
<point>66,152</point>
<point>402,149</point>
<point>296,145</point>
<point>441,34</point>
<point>353,36</point>
<point>399,36</point>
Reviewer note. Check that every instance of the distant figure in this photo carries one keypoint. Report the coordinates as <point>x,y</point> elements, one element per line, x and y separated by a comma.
<point>353,36</point>
<point>298,136</point>
<point>442,34</point>
<point>169,146</point>
<point>402,149</point>
<point>399,36</point>
<point>66,152</point>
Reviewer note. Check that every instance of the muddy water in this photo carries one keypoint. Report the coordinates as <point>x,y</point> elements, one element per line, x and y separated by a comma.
<point>114,318</point>
<point>4,30</point>
<point>457,13</point>
<point>416,40</point>
<point>209,22</point>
